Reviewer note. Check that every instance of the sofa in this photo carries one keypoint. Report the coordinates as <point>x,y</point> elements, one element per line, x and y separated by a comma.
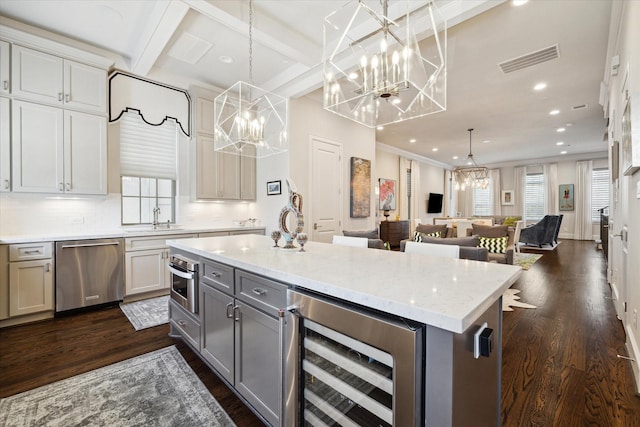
<point>468,245</point>
<point>544,232</point>
<point>375,242</point>
<point>503,255</point>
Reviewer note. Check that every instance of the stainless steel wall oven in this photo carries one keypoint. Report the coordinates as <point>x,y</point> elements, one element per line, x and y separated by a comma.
<point>184,282</point>
<point>354,367</point>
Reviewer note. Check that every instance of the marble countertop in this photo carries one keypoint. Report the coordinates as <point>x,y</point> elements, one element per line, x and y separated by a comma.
<point>135,231</point>
<point>447,293</point>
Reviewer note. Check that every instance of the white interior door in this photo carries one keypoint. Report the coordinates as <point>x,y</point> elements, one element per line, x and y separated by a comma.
<point>326,189</point>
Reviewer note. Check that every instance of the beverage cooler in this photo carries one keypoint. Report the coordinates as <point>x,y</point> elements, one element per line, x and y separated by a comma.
<point>353,367</point>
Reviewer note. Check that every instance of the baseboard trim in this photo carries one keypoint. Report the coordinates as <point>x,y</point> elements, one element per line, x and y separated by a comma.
<point>569,236</point>
<point>634,353</point>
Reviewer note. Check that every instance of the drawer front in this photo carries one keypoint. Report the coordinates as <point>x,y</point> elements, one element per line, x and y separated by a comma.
<point>219,276</point>
<point>29,251</point>
<point>153,242</point>
<point>260,292</point>
<point>184,324</point>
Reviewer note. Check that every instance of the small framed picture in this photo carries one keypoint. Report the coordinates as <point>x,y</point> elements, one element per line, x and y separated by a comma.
<point>507,197</point>
<point>274,188</point>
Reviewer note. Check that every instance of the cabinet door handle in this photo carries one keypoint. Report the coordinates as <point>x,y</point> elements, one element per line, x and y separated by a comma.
<point>60,96</point>
<point>230,310</point>
<point>47,267</point>
<point>61,186</point>
<point>258,291</point>
<point>236,313</point>
<point>5,84</point>
<point>68,186</point>
<point>67,98</point>
<point>6,184</point>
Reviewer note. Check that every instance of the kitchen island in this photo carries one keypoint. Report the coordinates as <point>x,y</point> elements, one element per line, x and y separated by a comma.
<point>453,300</point>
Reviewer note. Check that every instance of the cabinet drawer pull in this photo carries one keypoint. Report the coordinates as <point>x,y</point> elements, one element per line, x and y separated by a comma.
<point>182,323</point>
<point>32,251</point>
<point>216,275</point>
<point>230,310</point>
<point>258,291</point>
<point>236,313</point>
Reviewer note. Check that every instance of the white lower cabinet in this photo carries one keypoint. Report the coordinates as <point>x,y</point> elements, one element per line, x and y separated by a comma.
<point>146,263</point>
<point>30,278</point>
<point>240,334</point>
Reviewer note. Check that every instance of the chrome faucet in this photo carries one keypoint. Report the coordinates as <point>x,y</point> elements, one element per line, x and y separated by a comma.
<point>156,212</point>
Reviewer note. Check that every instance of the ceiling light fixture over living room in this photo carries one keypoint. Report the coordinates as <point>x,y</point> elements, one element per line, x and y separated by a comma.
<point>473,176</point>
<point>250,121</point>
<point>375,71</point>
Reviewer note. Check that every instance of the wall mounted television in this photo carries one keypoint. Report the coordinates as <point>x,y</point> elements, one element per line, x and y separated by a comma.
<point>434,203</point>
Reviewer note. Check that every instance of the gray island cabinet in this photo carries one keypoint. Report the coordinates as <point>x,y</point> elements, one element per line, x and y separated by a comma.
<point>348,335</point>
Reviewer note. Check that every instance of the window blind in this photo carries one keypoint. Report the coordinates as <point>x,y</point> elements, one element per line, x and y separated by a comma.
<point>145,150</point>
<point>599,192</point>
<point>482,201</point>
<point>534,197</point>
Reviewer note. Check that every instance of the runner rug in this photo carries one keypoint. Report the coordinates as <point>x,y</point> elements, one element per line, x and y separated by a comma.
<point>155,389</point>
<point>147,313</point>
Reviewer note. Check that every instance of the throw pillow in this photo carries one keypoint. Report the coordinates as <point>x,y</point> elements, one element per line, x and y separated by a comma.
<point>495,245</point>
<point>419,237</point>
<point>490,230</point>
<point>510,221</point>
<point>426,228</point>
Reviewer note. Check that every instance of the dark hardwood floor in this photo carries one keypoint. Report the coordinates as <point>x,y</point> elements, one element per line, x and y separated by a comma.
<point>560,364</point>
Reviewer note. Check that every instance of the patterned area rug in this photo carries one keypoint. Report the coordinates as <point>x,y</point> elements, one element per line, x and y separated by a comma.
<point>155,389</point>
<point>525,260</point>
<point>148,312</point>
<point>510,300</point>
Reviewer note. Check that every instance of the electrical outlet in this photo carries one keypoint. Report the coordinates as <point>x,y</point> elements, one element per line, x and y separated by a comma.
<point>635,319</point>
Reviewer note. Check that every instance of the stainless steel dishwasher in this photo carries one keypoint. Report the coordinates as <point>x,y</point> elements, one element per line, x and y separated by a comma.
<point>88,272</point>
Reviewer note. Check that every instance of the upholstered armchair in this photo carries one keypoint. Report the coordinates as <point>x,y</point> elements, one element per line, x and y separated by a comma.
<point>544,232</point>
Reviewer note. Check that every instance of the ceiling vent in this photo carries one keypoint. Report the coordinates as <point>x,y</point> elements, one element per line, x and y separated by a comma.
<point>580,107</point>
<point>530,59</point>
<point>189,48</point>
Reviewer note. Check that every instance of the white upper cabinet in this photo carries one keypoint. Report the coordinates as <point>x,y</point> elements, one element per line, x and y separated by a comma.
<point>204,118</point>
<point>5,145</point>
<point>5,81</point>
<point>58,151</point>
<point>49,79</point>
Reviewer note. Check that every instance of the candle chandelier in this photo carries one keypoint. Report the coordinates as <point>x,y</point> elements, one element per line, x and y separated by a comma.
<point>375,71</point>
<point>472,175</point>
<point>250,121</point>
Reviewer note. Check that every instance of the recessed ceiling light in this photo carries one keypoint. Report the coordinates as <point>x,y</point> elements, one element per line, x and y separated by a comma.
<point>380,127</point>
<point>560,143</point>
<point>540,86</point>
<point>396,101</point>
<point>569,124</point>
<point>353,76</point>
<point>455,157</point>
<point>434,149</point>
<point>412,140</point>
<point>226,59</point>
<point>486,141</point>
<point>563,152</point>
<point>519,2</point>
<point>554,112</point>
<point>560,130</point>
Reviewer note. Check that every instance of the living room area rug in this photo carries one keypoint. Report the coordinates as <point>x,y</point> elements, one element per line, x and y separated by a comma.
<point>525,260</point>
<point>154,389</point>
<point>147,313</point>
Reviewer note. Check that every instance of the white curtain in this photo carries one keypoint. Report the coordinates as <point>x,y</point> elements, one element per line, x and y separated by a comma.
<point>409,211</point>
<point>551,192</point>
<point>520,178</point>
<point>494,180</point>
<point>582,201</point>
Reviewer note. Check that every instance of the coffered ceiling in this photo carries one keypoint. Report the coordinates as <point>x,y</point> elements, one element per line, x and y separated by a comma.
<point>207,41</point>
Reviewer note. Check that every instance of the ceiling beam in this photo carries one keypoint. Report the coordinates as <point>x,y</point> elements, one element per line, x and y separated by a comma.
<point>173,14</point>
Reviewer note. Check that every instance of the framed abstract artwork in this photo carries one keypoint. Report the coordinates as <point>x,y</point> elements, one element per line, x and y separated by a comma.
<point>566,197</point>
<point>274,188</point>
<point>387,199</point>
<point>507,197</point>
<point>360,188</point>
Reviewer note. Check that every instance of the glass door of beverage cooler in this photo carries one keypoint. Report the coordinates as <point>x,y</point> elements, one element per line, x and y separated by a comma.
<point>356,368</point>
